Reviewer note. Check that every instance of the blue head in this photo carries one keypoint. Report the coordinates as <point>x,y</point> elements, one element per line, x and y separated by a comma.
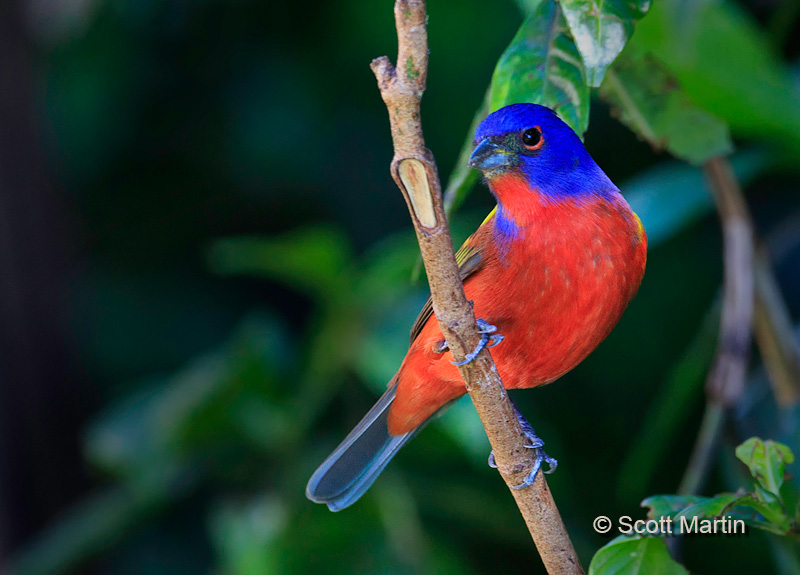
<point>531,141</point>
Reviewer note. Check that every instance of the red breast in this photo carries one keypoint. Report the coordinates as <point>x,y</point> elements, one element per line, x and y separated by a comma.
<point>555,288</point>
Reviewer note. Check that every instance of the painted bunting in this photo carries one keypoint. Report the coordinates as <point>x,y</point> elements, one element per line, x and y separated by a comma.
<point>551,269</point>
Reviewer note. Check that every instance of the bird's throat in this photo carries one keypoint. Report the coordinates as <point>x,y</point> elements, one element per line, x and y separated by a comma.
<point>517,201</point>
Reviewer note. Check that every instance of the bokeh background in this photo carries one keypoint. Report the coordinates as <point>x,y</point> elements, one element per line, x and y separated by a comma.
<point>205,281</point>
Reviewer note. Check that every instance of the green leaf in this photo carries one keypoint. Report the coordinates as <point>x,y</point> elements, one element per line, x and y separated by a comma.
<point>767,461</point>
<point>542,66</point>
<point>683,509</point>
<point>668,505</point>
<point>770,514</point>
<point>764,511</point>
<point>725,63</point>
<point>710,506</point>
<point>635,556</point>
<point>734,520</point>
<point>651,103</point>
<point>601,28</point>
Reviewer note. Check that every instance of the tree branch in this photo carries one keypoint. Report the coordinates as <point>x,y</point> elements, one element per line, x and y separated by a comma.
<point>772,325</point>
<point>725,383</point>
<point>414,170</point>
<point>726,380</point>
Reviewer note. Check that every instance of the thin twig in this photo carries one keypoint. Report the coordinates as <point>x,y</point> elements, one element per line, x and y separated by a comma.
<point>725,382</point>
<point>772,325</point>
<point>414,170</point>
<point>696,473</point>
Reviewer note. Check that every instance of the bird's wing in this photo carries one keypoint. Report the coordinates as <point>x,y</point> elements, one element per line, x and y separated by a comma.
<point>469,259</point>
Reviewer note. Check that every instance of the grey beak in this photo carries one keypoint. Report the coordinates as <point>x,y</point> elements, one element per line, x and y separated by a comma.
<point>488,156</point>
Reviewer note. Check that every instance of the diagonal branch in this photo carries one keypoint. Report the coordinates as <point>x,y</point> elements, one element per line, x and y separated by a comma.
<point>414,170</point>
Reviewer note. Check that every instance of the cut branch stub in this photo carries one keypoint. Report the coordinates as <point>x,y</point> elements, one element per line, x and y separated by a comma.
<point>415,181</point>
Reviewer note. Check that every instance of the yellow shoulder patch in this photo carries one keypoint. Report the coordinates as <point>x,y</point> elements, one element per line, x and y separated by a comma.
<point>468,249</point>
<point>640,233</point>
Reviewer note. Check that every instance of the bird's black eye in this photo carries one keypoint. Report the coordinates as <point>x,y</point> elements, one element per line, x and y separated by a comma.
<point>532,138</point>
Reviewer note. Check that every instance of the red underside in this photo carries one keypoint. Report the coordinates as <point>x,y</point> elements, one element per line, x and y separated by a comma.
<point>555,292</point>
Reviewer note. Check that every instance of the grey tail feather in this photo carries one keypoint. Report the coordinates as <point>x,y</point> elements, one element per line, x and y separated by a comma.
<point>353,466</point>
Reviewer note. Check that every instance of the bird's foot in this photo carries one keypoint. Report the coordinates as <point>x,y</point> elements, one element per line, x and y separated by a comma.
<point>539,456</point>
<point>488,338</point>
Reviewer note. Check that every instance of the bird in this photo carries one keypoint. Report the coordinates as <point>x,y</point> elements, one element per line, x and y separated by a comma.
<point>549,271</point>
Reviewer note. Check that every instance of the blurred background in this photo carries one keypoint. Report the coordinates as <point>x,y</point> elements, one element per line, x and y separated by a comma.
<point>205,281</point>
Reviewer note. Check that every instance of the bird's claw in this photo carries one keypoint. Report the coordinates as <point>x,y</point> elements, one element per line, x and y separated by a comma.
<point>539,457</point>
<point>488,338</point>
<point>534,442</point>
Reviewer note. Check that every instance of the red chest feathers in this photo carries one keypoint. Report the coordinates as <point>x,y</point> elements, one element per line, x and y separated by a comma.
<point>554,284</point>
<point>560,286</point>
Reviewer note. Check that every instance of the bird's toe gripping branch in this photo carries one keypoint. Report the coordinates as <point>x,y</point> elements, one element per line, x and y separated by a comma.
<point>488,337</point>
<point>536,443</point>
